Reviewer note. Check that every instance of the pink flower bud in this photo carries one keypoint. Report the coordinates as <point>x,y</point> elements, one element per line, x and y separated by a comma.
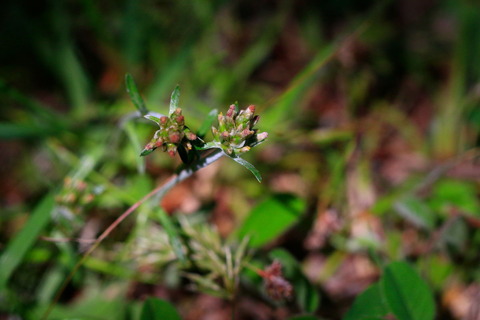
<point>262,136</point>
<point>163,120</point>
<point>225,135</point>
<point>191,136</point>
<point>251,108</point>
<point>231,111</point>
<point>245,133</point>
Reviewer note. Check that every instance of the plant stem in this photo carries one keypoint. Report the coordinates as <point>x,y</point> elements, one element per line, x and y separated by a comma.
<point>160,191</point>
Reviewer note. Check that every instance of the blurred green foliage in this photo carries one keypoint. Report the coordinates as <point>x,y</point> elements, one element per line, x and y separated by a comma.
<point>373,114</point>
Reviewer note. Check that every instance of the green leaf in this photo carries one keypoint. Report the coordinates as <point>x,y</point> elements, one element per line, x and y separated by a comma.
<point>146,152</point>
<point>207,123</point>
<point>152,118</point>
<point>172,232</point>
<point>135,95</point>
<point>407,295</point>
<point>416,211</point>
<point>370,304</point>
<point>174,100</point>
<point>21,131</point>
<point>17,248</point>
<point>247,165</point>
<point>271,218</point>
<point>459,194</point>
<point>158,309</point>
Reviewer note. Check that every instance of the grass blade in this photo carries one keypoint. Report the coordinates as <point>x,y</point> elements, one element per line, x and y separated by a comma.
<point>174,100</point>
<point>249,166</point>
<point>135,95</point>
<point>23,241</point>
<point>207,123</point>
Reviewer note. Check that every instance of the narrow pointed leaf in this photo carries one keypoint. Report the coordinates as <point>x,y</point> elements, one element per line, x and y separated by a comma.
<point>146,152</point>
<point>207,123</point>
<point>135,95</point>
<point>172,232</point>
<point>249,166</point>
<point>174,100</point>
<point>152,118</point>
<point>15,250</point>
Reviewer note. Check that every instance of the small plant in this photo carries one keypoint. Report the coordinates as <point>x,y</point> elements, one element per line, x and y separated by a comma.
<point>212,265</point>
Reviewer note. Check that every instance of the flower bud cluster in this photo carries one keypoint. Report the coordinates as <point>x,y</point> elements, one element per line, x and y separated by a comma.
<point>235,132</point>
<point>172,133</point>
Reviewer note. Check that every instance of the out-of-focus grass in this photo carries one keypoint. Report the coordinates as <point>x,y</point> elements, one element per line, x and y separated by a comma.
<point>366,105</point>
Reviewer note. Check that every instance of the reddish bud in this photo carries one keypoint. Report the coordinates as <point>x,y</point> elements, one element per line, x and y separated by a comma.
<point>231,111</point>
<point>163,120</point>
<point>251,108</point>
<point>191,136</point>
<point>277,287</point>
<point>245,133</point>
<point>174,137</point>
<point>180,119</point>
<point>158,143</point>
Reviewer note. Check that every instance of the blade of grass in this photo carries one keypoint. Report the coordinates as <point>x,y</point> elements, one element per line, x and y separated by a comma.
<point>135,95</point>
<point>172,232</point>
<point>174,100</point>
<point>24,240</point>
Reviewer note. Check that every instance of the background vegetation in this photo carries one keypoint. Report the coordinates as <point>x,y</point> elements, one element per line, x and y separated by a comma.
<point>370,169</point>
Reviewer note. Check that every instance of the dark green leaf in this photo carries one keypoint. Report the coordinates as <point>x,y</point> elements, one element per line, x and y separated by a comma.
<point>407,295</point>
<point>17,248</point>
<point>271,218</point>
<point>368,305</point>
<point>146,152</point>
<point>152,118</point>
<point>21,131</point>
<point>174,100</point>
<point>135,95</point>
<point>158,309</point>
<point>172,232</point>
<point>207,123</point>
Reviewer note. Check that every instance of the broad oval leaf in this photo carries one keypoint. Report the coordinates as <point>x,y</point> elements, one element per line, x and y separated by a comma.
<point>370,304</point>
<point>271,218</point>
<point>407,295</point>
